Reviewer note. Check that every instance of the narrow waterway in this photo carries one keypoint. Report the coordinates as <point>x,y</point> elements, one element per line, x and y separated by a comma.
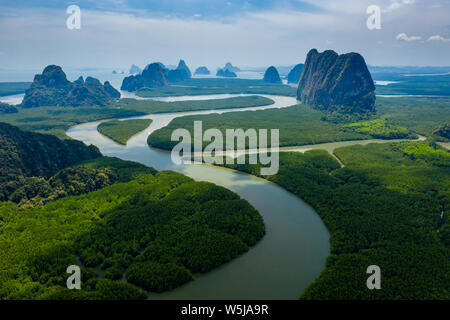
<point>282,264</point>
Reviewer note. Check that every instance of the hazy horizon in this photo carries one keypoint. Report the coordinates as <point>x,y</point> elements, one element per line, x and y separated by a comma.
<point>117,33</point>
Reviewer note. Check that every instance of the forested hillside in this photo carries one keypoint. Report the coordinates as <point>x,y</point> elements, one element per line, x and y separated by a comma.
<point>388,206</point>
<point>27,154</point>
<point>115,219</point>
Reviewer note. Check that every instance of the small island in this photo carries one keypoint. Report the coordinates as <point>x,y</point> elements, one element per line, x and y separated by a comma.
<point>202,71</point>
<point>122,131</point>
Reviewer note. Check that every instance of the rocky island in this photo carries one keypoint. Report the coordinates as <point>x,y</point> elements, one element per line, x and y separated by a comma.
<point>230,67</point>
<point>295,73</point>
<point>134,69</point>
<point>51,88</point>
<point>226,73</point>
<point>331,81</point>
<point>271,75</point>
<point>152,76</point>
<point>202,71</point>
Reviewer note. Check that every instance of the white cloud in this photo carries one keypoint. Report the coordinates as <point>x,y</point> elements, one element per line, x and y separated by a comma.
<point>395,4</point>
<point>404,37</point>
<point>438,38</point>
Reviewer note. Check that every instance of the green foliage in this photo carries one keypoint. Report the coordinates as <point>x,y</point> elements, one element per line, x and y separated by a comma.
<point>153,106</point>
<point>25,154</point>
<point>157,277</point>
<point>299,125</point>
<point>122,131</point>
<point>420,115</point>
<point>415,85</point>
<point>156,228</point>
<point>381,129</point>
<point>56,120</point>
<point>382,208</point>
<point>219,86</point>
<point>425,151</point>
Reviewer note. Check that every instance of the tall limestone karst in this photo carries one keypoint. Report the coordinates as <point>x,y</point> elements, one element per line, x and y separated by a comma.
<point>271,75</point>
<point>51,88</point>
<point>330,80</point>
<point>295,73</point>
<point>153,76</point>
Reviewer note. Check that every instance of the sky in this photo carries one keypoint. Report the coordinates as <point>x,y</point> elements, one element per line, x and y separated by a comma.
<point>251,33</point>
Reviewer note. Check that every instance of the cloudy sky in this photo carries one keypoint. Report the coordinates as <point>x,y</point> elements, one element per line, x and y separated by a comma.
<point>116,33</point>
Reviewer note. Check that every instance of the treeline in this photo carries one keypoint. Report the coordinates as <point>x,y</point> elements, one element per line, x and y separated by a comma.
<point>383,208</point>
<point>155,230</point>
<point>122,131</point>
<point>26,154</point>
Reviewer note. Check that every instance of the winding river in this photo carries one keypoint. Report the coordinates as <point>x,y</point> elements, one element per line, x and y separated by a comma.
<point>296,245</point>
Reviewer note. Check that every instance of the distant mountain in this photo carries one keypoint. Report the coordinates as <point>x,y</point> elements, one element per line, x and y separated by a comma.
<point>6,108</point>
<point>182,66</point>
<point>51,88</point>
<point>114,72</point>
<point>230,67</point>
<point>28,154</point>
<point>153,76</point>
<point>202,71</point>
<point>295,73</point>
<point>134,69</point>
<point>271,75</point>
<point>226,73</point>
<point>331,80</point>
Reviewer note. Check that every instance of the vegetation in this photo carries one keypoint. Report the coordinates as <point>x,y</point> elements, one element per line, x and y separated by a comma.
<point>418,115</point>
<point>25,155</point>
<point>6,108</point>
<point>122,131</point>
<point>111,217</point>
<point>167,223</point>
<point>10,88</point>
<point>153,106</point>
<point>56,120</point>
<point>443,132</point>
<point>158,277</point>
<point>380,128</point>
<point>384,208</point>
<point>437,85</point>
<point>219,86</point>
<point>299,125</point>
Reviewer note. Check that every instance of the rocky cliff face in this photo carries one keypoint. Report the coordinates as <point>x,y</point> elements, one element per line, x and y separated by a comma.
<point>331,80</point>
<point>272,75</point>
<point>182,66</point>
<point>153,76</point>
<point>51,88</point>
<point>295,73</point>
